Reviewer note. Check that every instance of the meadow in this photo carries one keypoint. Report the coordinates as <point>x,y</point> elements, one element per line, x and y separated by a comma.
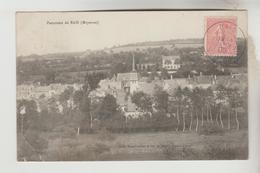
<point>169,145</point>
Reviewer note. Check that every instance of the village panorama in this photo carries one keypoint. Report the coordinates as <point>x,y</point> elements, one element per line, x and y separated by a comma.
<point>161,100</point>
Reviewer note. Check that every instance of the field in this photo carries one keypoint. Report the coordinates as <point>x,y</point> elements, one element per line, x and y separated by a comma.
<point>149,146</point>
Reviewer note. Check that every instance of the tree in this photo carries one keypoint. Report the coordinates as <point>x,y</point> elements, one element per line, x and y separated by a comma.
<point>120,68</point>
<point>187,104</point>
<point>161,100</point>
<point>84,105</point>
<point>209,99</point>
<point>108,108</point>
<point>202,102</point>
<point>77,97</point>
<point>197,101</point>
<point>153,73</point>
<point>26,114</point>
<point>234,102</point>
<point>178,101</point>
<point>94,79</point>
<point>143,101</point>
<point>50,76</point>
<point>192,103</point>
<point>221,99</point>
<point>85,109</point>
<point>82,102</point>
<point>164,74</point>
<point>65,96</point>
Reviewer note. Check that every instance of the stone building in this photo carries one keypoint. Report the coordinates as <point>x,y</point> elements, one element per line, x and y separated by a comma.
<point>171,62</point>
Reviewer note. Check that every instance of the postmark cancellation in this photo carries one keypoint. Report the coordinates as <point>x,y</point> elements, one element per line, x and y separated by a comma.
<point>220,36</point>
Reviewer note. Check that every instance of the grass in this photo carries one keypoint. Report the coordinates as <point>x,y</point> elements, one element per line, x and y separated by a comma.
<point>150,146</point>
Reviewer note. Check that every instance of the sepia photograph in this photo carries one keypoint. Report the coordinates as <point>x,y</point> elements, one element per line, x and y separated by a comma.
<point>132,85</point>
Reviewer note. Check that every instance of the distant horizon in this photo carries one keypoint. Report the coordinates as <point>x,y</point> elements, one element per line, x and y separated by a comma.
<point>116,46</point>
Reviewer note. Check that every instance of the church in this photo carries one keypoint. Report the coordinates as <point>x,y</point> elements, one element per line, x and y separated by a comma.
<point>122,86</point>
<point>128,82</point>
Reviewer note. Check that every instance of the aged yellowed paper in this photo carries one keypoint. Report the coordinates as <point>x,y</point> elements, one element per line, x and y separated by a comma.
<point>132,85</point>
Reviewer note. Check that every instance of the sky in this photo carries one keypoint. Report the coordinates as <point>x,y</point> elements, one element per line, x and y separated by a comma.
<point>47,32</point>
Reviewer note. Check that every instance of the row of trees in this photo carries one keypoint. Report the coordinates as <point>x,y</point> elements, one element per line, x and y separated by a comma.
<point>196,107</point>
<point>184,109</point>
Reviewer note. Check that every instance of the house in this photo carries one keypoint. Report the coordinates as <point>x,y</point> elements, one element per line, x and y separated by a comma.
<point>145,66</point>
<point>30,92</point>
<point>171,85</point>
<point>106,84</point>
<point>203,81</point>
<point>150,87</point>
<point>171,62</point>
<point>128,81</point>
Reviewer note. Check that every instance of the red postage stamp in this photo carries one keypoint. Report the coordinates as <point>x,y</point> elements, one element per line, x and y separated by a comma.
<point>220,36</point>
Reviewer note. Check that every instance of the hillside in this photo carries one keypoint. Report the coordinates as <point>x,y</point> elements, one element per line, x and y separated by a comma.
<point>169,44</point>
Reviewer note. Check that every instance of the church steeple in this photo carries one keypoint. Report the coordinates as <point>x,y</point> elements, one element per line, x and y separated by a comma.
<point>133,63</point>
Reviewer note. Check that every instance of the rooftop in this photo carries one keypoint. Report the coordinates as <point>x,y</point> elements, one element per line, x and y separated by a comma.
<point>172,57</point>
<point>131,76</point>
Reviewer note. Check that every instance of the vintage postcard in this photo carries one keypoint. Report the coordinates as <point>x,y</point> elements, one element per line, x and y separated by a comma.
<point>132,85</point>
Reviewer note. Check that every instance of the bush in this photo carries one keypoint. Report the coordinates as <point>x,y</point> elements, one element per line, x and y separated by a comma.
<point>211,129</point>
